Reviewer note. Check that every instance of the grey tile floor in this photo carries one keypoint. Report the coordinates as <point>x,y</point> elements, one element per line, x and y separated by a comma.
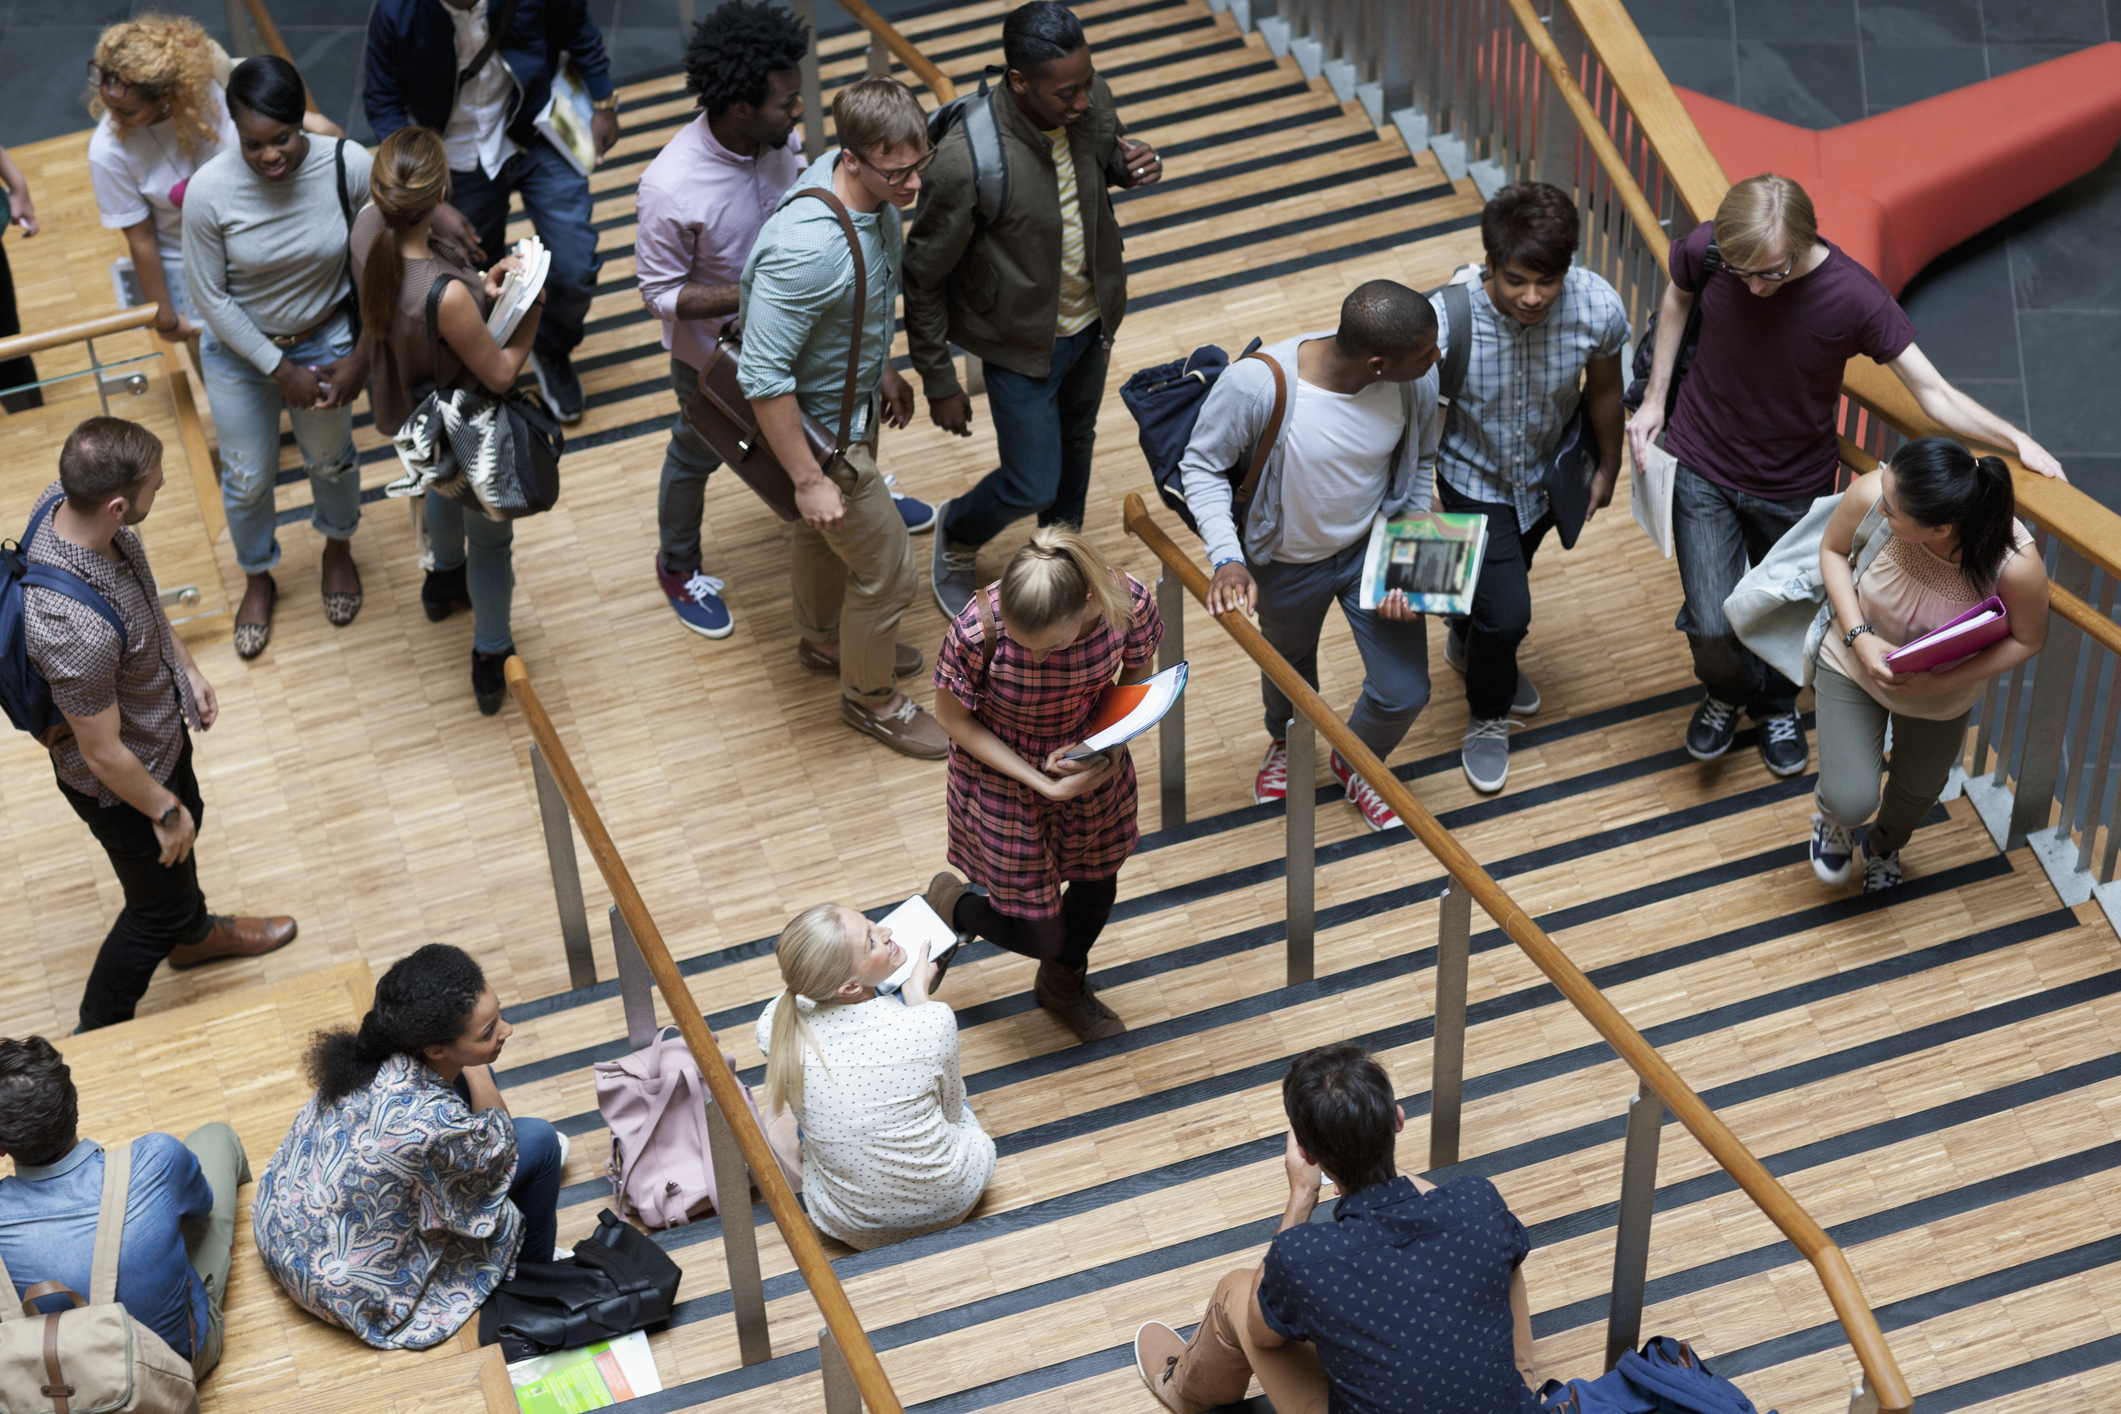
<point>2026,316</point>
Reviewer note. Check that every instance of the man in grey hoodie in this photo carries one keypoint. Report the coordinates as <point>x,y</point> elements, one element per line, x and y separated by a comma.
<point>1358,436</point>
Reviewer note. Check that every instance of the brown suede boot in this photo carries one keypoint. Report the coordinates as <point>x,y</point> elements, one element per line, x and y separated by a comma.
<point>1073,1001</point>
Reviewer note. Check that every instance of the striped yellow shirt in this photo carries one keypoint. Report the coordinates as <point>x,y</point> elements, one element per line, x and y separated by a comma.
<point>1078,300</point>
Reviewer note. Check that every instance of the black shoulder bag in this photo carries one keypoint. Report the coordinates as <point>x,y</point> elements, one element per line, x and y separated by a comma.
<point>617,1281</point>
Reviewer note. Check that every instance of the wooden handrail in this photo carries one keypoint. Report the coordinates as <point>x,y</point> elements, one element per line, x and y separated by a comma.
<point>1698,179</point>
<point>1881,1371</point>
<point>140,316</point>
<point>877,1394</point>
<point>936,81</point>
<point>261,20</point>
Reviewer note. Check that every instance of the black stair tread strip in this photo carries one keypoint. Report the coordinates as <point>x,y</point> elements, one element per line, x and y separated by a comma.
<point>1237,1155</point>
<point>1870,1227</point>
<point>1250,814</point>
<point>1928,1305</point>
<point>1415,1030</point>
<point>2060,1364</point>
<point>1333,915</point>
<point>1434,191</point>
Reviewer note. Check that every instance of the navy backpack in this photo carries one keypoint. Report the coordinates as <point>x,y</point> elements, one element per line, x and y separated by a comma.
<point>1166,402</point>
<point>24,695</point>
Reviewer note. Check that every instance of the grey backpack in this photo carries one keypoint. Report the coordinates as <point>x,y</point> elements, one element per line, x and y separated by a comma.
<point>93,1359</point>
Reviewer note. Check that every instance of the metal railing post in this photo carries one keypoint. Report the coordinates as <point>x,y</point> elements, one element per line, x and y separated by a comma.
<point>879,58</point>
<point>566,875</point>
<point>1862,1400</point>
<point>685,22</point>
<point>636,984</point>
<point>841,1397</point>
<point>1171,731</point>
<point>813,89</point>
<point>242,34</point>
<point>1301,816</point>
<point>2047,719</point>
<point>1631,1241</point>
<point>1447,1047</point>
<point>740,1240</point>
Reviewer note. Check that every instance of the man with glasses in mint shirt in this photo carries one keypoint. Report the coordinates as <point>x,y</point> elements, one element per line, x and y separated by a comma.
<point>1753,427</point>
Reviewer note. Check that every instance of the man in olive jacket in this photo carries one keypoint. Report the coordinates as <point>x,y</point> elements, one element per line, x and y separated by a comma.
<point>1036,295</point>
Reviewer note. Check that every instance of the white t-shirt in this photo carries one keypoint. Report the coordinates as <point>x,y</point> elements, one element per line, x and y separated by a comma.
<point>477,138</point>
<point>134,169</point>
<point>1336,464</point>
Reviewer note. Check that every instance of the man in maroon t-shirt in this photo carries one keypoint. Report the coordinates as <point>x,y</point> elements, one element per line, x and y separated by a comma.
<point>1753,426</point>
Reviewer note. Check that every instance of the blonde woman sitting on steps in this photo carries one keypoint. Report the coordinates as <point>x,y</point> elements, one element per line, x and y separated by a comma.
<point>862,1091</point>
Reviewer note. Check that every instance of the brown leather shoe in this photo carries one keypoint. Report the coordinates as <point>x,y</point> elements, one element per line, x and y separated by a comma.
<point>906,660</point>
<point>944,890</point>
<point>1073,1001</point>
<point>234,937</point>
<point>909,730</point>
<point>1157,1351</point>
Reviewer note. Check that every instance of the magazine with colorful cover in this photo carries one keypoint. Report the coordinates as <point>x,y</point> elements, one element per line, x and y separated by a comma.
<point>1431,556</point>
<point>566,116</point>
<point>591,1377</point>
<point>1127,709</point>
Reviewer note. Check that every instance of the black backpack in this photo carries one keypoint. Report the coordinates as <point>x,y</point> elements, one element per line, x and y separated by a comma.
<point>1646,348</point>
<point>983,133</point>
<point>24,694</point>
<point>1166,402</point>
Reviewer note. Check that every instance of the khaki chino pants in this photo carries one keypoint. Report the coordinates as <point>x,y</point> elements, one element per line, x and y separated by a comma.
<point>1221,1359</point>
<point>851,584</point>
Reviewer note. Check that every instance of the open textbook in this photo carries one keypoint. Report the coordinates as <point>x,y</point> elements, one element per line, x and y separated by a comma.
<point>590,1377</point>
<point>1433,557</point>
<point>1126,710</point>
<point>913,923</point>
<point>519,289</point>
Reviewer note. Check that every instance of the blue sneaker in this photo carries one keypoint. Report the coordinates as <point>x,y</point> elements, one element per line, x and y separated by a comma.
<point>697,597</point>
<point>1833,848</point>
<point>917,514</point>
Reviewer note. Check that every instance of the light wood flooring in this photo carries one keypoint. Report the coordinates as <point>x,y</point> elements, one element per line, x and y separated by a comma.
<point>1933,1074</point>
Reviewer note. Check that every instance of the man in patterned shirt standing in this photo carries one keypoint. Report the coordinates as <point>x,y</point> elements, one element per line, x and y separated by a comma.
<point>1035,291</point>
<point>123,755</point>
<point>1547,337</point>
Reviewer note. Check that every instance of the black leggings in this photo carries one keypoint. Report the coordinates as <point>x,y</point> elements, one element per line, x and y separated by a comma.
<point>1064,938</point>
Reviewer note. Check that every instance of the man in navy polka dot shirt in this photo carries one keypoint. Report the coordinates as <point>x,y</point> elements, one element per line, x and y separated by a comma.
<point>1410,1299</point>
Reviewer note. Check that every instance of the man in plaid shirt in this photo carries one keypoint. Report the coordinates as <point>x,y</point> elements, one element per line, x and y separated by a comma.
<point>123,755</point>
<point>1547,336</point>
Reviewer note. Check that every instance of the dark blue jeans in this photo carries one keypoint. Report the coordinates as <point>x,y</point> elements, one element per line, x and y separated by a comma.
<point>536,1188</point>
<point>1045,429</point>
<point>557,198</point>
<point>1718,534</point>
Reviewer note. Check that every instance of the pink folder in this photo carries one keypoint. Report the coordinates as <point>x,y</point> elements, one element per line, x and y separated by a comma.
<point>1961,638</point>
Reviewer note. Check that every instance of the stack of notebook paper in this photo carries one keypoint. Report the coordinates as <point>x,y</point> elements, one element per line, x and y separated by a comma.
<point>520,289</point>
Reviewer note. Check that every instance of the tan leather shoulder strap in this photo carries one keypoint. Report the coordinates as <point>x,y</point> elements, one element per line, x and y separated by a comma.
<point>987,634</point>
<point>1272,433</point>
<point>861,307</point>
<point>110,1224</point>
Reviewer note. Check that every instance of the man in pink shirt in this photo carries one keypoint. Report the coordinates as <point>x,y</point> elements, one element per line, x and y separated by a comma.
<point>702,202</point>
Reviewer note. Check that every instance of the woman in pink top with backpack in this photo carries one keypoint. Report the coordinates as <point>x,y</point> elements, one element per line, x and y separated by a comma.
<point>1955,541</point>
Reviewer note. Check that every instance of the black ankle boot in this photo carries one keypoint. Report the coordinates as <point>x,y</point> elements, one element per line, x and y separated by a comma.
<point>488,684</point>
<point>443,591</point>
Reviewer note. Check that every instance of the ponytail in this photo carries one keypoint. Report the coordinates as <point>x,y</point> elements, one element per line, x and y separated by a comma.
<point>407,180</point>
<point>1938,482</point>
<point>1051,579</point>
<point>815,961</point>
<point>424,1000</point>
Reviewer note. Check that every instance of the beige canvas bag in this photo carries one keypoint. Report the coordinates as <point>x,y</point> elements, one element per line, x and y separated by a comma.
<point>93,1359</point>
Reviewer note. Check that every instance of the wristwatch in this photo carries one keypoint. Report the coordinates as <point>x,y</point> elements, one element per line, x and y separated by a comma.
<point>168,818</point>
<point>607,104</point>
<point>1848,640</point>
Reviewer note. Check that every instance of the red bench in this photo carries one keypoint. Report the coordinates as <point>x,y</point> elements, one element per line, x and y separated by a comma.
<point>1897,190</point>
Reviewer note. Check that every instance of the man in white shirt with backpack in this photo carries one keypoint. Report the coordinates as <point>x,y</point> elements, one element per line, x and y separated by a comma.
<point>1357,435</point>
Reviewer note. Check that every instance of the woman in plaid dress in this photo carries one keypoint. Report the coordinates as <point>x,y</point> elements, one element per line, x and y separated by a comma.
<point>1019,675</point>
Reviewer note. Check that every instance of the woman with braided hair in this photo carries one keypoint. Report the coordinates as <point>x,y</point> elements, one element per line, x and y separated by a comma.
<point>405,1191</point>
<point>471,556</point>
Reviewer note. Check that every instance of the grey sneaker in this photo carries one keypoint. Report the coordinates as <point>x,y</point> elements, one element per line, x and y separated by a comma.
<point>1486,753</point>
<point>953,571</point>
<point>1880,871</point>
<point>1525,702</point>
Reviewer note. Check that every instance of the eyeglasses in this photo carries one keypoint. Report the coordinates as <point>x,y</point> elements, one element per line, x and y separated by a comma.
<point>104,78</point>
<point>899,176</point>
<point>1773,277</point>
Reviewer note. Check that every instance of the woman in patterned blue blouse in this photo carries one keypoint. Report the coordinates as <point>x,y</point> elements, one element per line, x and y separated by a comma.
<point>405,1190</point>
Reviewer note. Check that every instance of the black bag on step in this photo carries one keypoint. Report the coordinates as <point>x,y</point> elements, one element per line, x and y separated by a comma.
<point>617,1281</point>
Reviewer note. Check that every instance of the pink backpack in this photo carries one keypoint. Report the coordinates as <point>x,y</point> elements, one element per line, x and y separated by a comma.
<point>655,1102</point>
